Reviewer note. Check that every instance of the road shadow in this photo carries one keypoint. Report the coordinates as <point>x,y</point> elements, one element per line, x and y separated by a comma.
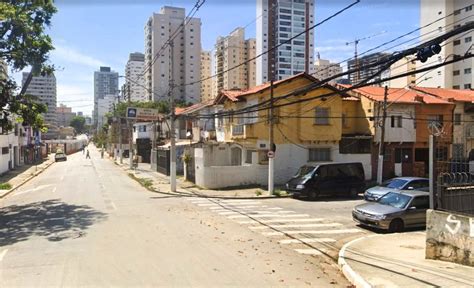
<point>52,219</point>
<point>10,174</point>
<point>382,231</point>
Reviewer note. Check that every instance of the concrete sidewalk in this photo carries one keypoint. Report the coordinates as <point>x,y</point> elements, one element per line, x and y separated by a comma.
<point>23,174</point>
<point>398,260</point>
<point>184,188</point>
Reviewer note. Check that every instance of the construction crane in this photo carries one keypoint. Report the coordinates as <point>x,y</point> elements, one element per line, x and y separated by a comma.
<point>356,42</point>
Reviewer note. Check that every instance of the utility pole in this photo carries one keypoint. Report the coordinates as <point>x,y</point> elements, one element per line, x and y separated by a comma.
<point>130,140</point>
<point>382,139</point>
<point>172,128</point>
<point>271,159</point>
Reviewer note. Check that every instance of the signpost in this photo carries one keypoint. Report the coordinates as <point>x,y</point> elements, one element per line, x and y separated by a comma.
<point>143,114</point>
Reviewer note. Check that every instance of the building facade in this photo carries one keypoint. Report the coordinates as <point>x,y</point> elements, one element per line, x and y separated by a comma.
<point>231,51</point>
<point>64,115</point>
<point>134,78</point>
<point>458,75</point>
<point>324,69</point>
<point>44,87</point>
<point>278,21</point>
<point>206,71</point>
<point>186,51</point>
<point>365,72</point>
<point>404,65</point>
<point>105,83</point>
<point>105,105</point>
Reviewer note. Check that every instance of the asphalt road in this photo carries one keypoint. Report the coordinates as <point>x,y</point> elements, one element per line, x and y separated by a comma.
<point>84,222</point>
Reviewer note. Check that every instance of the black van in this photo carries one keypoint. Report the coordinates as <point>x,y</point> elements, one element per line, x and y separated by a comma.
<point>327,179</point>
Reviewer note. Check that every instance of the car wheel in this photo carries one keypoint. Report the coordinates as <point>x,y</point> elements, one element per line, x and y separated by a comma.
<point>353,192</point>
<point>396,225</point>
<point>313,194</point>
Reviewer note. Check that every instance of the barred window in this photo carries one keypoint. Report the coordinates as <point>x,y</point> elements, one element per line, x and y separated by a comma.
<point>322,116</point>
<point>319,154</point>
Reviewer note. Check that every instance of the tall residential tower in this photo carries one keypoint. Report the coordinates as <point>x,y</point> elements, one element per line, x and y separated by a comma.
<point>186,62</point>
<point>105,83</point>
<point>134,78</point>
<point>280,20</point>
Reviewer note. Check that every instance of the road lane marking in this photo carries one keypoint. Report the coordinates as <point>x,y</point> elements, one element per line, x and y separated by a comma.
<point>267,216</point>
<point>306,240</point>
<point>282,221</point>
<point>54,189</point>
<point>309,251</point>
<point>275,208</point>
<point>293,232</point>
<point>33,189</point>
<point>4,252</point>
<point>262,227</point>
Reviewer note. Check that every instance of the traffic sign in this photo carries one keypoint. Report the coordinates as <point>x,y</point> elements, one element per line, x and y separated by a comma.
<point>271,154</point>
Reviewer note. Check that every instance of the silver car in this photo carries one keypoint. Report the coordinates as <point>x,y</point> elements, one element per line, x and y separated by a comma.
<point>399,183</point>
<point>394,211</point>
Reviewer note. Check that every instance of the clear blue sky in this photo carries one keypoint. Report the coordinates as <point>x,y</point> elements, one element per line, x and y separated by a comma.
<point>91,33</point>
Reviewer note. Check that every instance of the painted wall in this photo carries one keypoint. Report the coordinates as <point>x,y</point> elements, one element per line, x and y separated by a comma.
<point>356,118</point>
<point>422,114</point>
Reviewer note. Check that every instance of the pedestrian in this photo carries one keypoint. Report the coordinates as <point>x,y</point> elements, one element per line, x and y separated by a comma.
<point>87,155</point>
<point>102,153</point>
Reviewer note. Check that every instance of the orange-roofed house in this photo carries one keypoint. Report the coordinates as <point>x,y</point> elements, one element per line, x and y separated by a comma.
<point>409,114</point>
<point>462,121</point>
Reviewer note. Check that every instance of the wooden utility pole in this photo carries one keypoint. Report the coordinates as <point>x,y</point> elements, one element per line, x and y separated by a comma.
<point>271,164</point>
<point>382,139</point>
<point>130,126</point>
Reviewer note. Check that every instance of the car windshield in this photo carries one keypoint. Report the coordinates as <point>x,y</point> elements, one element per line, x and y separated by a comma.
<point>305,170</point>
<point>395,200</point>
<point>394,183</point>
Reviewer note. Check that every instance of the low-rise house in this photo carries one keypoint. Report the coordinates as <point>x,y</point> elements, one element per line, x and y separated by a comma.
<point>411,117</point>
<point>307,132</point>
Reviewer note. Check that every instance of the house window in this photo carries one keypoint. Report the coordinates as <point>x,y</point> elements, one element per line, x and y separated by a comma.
<point>455,72</point>
<point>457,119</point>
<point>319,154</point>
<point>458,151</point>
<point>435,120</point>
<point>467,86</point>
<point>354,146</point>
<point>396,121</point>
<point>5,150</point>
<point>248,156</point>
<point>344,120</point>
<point>467,39</point>
<point>467,71</point>
<point>456,42</point>
<point>322,116</point>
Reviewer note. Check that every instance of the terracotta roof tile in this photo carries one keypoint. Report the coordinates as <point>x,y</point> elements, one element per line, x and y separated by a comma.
<point>449,94</point>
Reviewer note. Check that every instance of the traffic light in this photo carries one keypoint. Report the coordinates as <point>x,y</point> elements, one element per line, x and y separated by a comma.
<point>426,52</point>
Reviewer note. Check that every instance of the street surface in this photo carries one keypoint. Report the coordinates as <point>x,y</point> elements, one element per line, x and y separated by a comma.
<point>84,222</point>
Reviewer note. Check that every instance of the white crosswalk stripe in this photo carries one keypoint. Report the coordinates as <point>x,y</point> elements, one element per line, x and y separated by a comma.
<point>268,215</point>
<point>294,232</point>
<point>282,221</point>
<point>306,240</point>
<point>309,251</point>
<point>314,225</point>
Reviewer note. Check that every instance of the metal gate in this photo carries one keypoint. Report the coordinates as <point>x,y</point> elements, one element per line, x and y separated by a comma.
<point>160,161</point>
<point>455,192</point>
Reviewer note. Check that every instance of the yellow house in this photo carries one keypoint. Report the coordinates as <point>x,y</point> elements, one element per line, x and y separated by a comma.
<point>309,126</point>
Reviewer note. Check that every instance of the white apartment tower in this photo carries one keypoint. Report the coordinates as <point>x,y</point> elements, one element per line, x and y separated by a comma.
<point>232,51</point>
<point>206,84</point>
<point>105,83</point>
<point>186,63</point>
<point>44,87</point>
<point>459,75</point>
<point>280,20</point>
<point>134,78</point>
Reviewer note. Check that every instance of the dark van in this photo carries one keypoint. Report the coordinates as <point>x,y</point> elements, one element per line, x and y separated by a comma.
<point>327,179</point>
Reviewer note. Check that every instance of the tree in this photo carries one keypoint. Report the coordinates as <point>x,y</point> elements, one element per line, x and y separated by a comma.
<point>24,43</point>
<point>78,123</point>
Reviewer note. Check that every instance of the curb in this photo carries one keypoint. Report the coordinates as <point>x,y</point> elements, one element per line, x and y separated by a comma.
<point>349,273</point>
<point>25,181</point>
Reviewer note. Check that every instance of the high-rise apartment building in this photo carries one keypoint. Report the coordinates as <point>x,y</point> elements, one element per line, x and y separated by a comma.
<point>405,65</point>
<point>105,83</point>
<point>324,69</point>
<point>134,78</point>
<point>105,105</point>
<point>366,72</point>
<point>458,75</point>
<point>231,51</point>
<point>186,51</point>
<point>206,84</point>
<point>278,21</point>
<point>44,87</point>
<point>64,115</point>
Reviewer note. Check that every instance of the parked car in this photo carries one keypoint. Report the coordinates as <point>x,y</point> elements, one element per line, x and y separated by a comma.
<point>394,211</point>
<point>60,156</point>
<point>327,179</point>
<point>399,183</point>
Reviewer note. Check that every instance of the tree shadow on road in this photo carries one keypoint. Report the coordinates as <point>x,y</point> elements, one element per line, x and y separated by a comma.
<point>52,219</point>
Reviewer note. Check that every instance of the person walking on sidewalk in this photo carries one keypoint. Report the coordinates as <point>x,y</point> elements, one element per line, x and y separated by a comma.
<point>87,155</point>
<point>102,152</point>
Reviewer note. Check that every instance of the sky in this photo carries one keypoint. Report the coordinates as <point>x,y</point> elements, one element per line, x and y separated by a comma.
<point>88,34</point>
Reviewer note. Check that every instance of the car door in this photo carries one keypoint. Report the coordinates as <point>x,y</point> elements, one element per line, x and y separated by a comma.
<point>415,214</point>
<point>421,184</point>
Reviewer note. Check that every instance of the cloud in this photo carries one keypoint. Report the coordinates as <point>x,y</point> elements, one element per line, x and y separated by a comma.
<point>71,55</point>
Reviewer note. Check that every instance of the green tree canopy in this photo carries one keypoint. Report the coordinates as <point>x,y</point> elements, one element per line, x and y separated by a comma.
<point>78,123</point>
<point>23,43</point>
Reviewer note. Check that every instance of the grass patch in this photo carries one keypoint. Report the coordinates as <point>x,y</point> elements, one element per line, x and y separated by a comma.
<point>258,192</point>
<point>147,183</point>
<point>5,186</point>
<point>280,193</point>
